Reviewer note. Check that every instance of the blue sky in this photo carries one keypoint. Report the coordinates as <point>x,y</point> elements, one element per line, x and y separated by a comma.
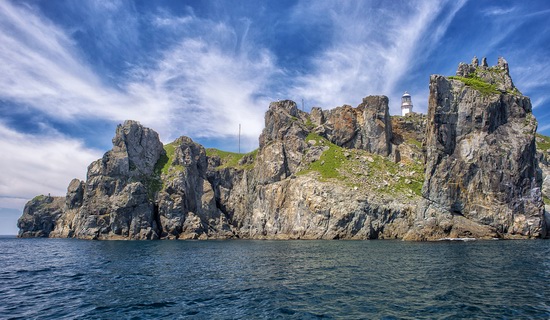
<point>72,70</point>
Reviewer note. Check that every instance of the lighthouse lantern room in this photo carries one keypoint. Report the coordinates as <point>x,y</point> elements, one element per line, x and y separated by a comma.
<point>406,104</point>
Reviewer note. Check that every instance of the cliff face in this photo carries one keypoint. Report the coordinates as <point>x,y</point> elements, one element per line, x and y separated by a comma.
<point>305,184</point>
<point>467,169</point>
<point>481,155</point>
<point>115,200</point>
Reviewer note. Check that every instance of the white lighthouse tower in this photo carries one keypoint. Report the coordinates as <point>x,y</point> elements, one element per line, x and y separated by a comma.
<point>406,104</point>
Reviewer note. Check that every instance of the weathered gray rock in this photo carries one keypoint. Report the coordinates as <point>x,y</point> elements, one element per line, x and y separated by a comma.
<point>305,208</point>
<point>376,130</point>
<point>187,204</point>
<point>139,145</point>
<point>498,76</point>
<point>481,162</point>
<point>75,194</point>
<point>408,136</point>
<point>116,201</point>
<point>544,166</point>
<point>464,70</point>
<point>342,126</point>
<point>282,142</point>
<point>367,127</point>
<point>484,62</point>
<point>40,216</point>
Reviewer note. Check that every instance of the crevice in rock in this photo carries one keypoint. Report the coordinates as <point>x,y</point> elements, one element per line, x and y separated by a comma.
<point>156,218</point>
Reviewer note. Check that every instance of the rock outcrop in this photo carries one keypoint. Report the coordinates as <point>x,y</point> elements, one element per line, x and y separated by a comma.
<point>408,136</point>
<point>187,207</point>
<point>117,199</point>
<point>467,169</point>
<point>40,216</point>
<point>367,127</point>
<point>481,156</point>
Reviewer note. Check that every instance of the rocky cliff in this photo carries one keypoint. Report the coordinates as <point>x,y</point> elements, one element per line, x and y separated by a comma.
<point>481,155</point>
<point>468,169</point>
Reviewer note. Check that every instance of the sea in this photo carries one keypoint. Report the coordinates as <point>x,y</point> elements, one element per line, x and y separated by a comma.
<point>299,279</point>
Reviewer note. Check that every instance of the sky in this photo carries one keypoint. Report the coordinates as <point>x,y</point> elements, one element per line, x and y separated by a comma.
<point>70,71</point>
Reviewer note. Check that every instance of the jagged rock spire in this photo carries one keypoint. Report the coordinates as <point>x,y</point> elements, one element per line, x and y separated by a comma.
<point>498,75</point>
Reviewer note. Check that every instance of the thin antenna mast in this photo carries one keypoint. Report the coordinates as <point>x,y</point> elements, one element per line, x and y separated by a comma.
<point>303,105</point>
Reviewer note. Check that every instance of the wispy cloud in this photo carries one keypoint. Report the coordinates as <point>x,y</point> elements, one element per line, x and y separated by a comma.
<point>371,48</point>
<point>539,102</point>
<point>532,77</point>
<point>537,13</point>
<point>213,78</point>
<point>498,11</point>
<point>533,74</point>
<point>543,127</point>
<point>46,72</point>
<point>204,85</point>
<point>39,164</point>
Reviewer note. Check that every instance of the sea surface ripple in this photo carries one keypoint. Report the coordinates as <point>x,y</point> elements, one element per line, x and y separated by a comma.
<point>76,279</point>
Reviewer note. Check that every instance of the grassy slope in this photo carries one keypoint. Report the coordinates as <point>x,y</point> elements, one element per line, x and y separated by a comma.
<point>232,159</point>
<point>353,167</point>
<point>543,142</point>
<point>358,168</point>
<point>477,84</point>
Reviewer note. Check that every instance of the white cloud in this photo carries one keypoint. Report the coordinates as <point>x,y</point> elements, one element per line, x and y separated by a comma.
<point>213,91</point>
<point>532,74</point>
<point>207,83</point>
<point>164,19</point>
<point>540,101</point>
<point>371,48</point>
<point>39,164</point>
<point>202,87</point>
<point>45,71</point>
<point>498,11</point>
<point>543,127</point>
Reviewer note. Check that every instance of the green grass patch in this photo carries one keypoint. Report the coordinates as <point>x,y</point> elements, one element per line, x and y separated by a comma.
<point>232,159</point>
<point>413,183</point>
<point>366,170</point>
<point>309,124</point>
<point>514,92</point>
<point>414,142</point>
<point>330,161</point>
<point>382,165</point>
<point>318,139</point>
<point>385,169</point>
<point>39,198</point>
<point>543,142</point>
<point>164,163</point>
<point>155,183</point>
<point>546,200</point>
<point>477,84</point>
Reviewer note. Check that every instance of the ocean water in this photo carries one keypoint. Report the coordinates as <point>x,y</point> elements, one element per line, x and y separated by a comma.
<point>77,279</point>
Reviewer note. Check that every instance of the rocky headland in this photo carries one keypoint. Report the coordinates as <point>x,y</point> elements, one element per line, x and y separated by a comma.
<point>473,167</point>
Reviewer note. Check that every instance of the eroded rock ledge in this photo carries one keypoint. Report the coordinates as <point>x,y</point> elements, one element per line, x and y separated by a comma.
<point>469,169</point>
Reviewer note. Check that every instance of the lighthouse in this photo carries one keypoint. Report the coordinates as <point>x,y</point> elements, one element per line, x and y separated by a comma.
<point>406,104</point>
